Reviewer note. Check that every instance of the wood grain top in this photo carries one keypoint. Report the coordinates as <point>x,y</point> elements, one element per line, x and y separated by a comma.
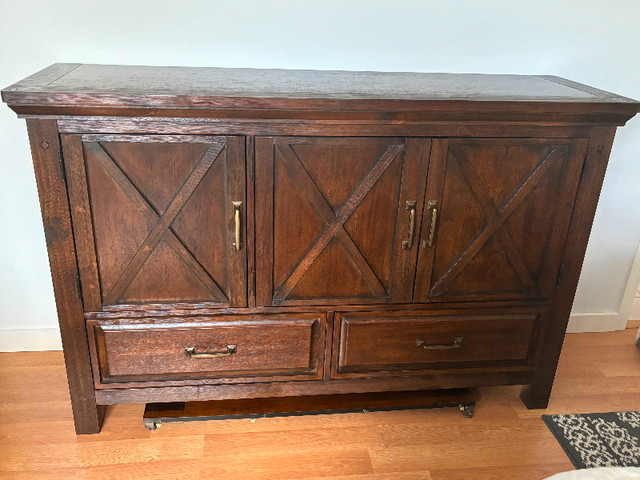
<point>232,88</point>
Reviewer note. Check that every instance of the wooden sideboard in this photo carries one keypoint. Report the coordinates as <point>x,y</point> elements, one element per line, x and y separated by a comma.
<point>236,233</point>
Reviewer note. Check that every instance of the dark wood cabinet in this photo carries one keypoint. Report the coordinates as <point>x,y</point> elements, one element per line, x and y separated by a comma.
<point>236,233</point>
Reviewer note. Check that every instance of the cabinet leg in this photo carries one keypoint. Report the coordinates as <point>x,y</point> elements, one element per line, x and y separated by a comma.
<point>56,217</point>
<point>87,419</point>
<point>535,396</point>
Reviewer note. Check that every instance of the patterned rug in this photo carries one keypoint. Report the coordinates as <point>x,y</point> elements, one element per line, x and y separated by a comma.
<point>598,439</point>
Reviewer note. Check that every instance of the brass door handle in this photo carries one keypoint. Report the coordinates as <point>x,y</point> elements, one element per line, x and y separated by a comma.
<point>457,343</point>
<point>433,206</point>
<point>191,352</point>
<point>237,208</point>
<point>411,207</point>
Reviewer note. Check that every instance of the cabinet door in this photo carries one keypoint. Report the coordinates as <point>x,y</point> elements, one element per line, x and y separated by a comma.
<point>333,219</point>
<point>497,214</point>
<point>155,217</point>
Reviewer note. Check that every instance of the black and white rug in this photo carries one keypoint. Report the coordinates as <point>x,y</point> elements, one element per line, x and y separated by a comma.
<point>598,439</point>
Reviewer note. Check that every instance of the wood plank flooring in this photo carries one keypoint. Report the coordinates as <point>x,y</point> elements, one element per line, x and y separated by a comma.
<point>598,372</point>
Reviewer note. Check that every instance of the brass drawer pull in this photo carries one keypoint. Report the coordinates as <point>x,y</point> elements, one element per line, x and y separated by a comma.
<point>237,207</point>
<point>191,352</point>
<point>431,205</point>
<point>457,343</point>
<point>411,207</point>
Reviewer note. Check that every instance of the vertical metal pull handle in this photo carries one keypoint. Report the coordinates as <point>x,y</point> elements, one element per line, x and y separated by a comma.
<point>237,208</point>
<point>433,206</point>
<point>411,207</point>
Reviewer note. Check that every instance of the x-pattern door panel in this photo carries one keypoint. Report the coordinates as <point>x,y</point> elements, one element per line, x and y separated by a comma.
<point>331,216</point>
<point>503,210</point>
<point>156,220</point>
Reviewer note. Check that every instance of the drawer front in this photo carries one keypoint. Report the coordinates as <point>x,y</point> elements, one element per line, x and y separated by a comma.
<point>228,347</point>
<point>379,341</point>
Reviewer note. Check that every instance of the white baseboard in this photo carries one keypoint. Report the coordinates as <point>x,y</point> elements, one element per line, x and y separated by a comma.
<point>635,309</point>
<point>28,340</point>
<point>596,322</point>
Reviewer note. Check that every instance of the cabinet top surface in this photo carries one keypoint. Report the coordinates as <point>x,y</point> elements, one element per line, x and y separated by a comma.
<point>261,83</point>
<point>65,84</point>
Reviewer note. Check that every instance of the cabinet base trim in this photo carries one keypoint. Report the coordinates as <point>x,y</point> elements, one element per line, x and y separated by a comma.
<point>327,387</point>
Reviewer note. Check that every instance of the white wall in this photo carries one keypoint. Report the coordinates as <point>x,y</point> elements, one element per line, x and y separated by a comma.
<point>594,42</point>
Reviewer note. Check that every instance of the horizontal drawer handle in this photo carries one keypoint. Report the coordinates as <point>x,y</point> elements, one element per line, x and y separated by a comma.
<point>457,343</point>
<point>191,352</point>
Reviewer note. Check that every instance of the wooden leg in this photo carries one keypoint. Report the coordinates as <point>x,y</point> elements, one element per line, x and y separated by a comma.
<point>537,393</point>
<point>534,396</point>
<point>52,190</point>
<point>88,420</point>
<point>87,415</point>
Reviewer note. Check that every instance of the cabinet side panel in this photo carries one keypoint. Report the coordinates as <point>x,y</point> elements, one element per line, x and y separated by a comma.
<point>47,160</point>
<point>536,395</point>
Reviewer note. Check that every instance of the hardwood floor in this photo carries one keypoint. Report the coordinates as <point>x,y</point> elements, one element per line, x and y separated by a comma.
<point>598,372</point>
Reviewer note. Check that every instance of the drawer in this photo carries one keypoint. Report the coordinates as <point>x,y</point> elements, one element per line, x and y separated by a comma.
<point>220,347</point>
<point>378,341</point>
